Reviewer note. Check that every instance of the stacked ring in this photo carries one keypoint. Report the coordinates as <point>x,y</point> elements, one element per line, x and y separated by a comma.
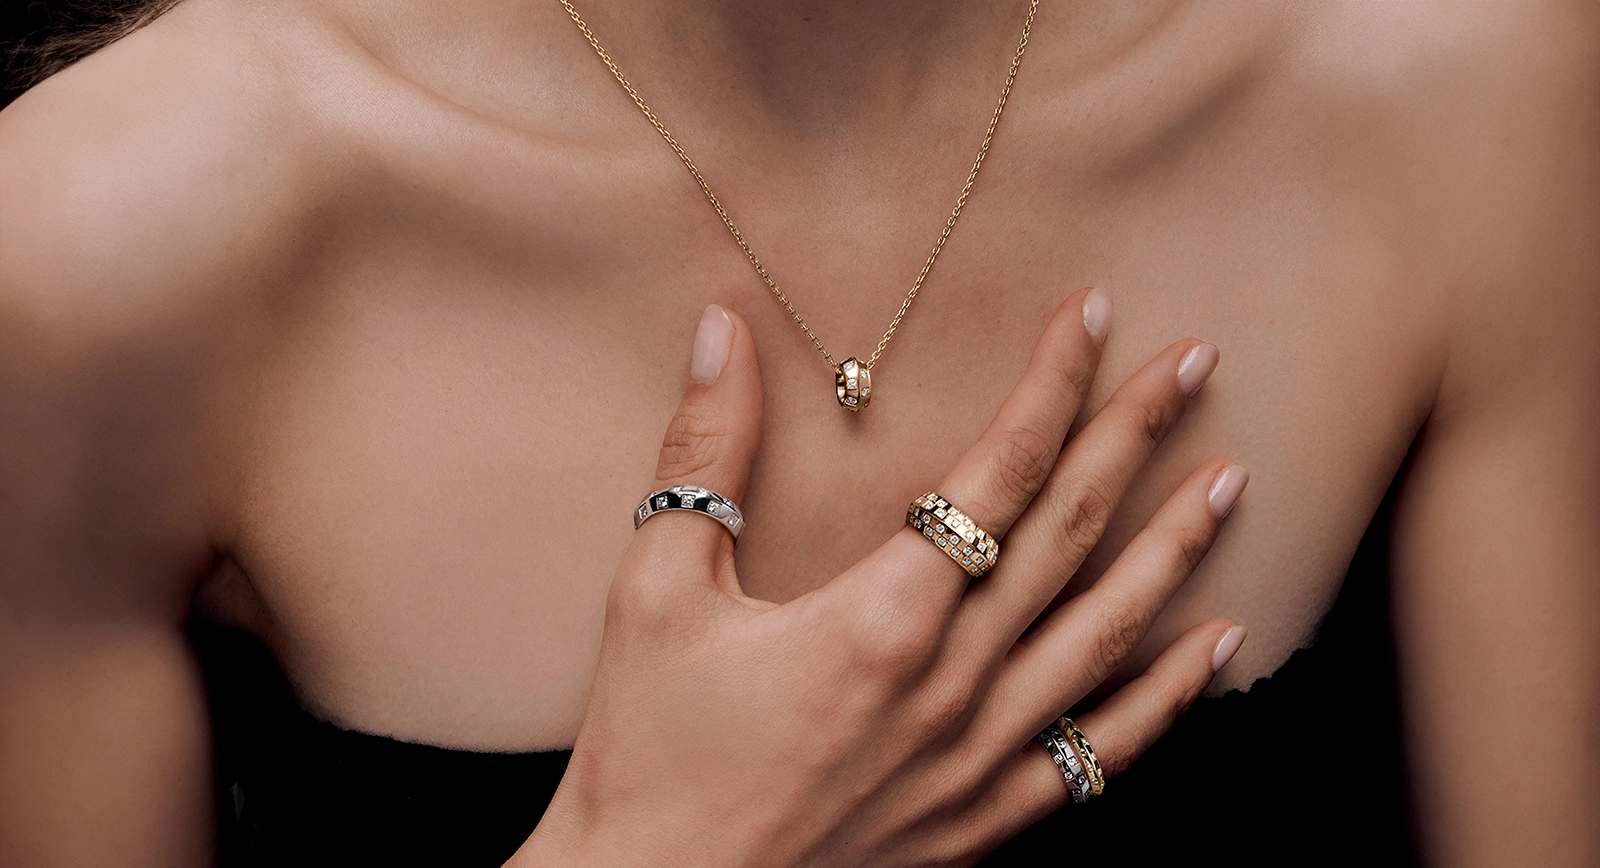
<point>1067,762</point>
<point>960,538</point>
<point>1080,746</point>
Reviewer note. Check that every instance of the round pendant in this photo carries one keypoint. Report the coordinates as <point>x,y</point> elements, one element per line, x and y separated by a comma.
<point>854,384</point>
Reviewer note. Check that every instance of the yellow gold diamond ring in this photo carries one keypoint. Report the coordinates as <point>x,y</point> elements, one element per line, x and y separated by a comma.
<point>1080,746</point>
<point>950,529</point>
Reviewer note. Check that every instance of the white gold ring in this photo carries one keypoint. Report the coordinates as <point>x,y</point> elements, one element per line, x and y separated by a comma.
<point>1066,759</point>
<point>691,498</point>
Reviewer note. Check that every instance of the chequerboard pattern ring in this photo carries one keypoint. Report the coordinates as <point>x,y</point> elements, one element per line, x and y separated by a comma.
<point>691,498</point>
<point>1067,762</point>
<point>953,532</point>
<point>1080,746</point>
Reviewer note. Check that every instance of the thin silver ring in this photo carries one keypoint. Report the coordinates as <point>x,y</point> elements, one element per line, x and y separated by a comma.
<point>1067,762</point>
<point>692,498</point>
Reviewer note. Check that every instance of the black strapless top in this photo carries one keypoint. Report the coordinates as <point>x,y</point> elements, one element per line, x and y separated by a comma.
<point>1305,769</point>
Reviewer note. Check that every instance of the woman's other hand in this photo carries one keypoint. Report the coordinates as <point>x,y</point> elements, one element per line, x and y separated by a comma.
<point>886,718</point>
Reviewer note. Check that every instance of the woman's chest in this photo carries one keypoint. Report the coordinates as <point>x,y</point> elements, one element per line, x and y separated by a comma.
<point>451,433</point>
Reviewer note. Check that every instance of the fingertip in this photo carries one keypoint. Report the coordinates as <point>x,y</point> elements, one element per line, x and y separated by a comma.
<point>723,360</point>
<point>727,337</point>
<point>1227,646</point>
<point>713,342</point>
<point>1097,315</point>
<point>1225,489</point>
<point>742,350</point>
<point>1084,312</point>
<point>712,437</point>
<point>1196,367</point>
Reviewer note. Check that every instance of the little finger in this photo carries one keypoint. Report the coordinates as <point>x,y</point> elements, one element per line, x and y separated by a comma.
<point>1120,730</point>
<point>1077,646</point>
<point>1128,722</point>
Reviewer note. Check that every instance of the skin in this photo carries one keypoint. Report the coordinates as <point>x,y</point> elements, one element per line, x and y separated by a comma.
<point>364,340</point>
<point>766,723</point>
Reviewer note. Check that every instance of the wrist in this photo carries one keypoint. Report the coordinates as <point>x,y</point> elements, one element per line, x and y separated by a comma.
<point>560,841</point>
<point>549,848</point>
<point>556,844</point>
<point>565,841</point>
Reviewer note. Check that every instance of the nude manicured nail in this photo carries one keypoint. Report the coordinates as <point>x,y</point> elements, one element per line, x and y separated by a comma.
<point>1097,315</point>
<point>1227,646</point>
<point>712,342</point>
<point>1225,490</point>
<point>1196,368</point>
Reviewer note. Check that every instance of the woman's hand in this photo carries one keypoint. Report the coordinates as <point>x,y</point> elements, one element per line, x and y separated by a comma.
<point>886,718</point>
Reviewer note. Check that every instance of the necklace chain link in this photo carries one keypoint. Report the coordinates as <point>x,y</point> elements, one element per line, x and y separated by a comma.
<point>750,254</point>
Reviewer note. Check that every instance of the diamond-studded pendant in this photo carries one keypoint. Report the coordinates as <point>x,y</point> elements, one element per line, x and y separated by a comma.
<point>854,384</point>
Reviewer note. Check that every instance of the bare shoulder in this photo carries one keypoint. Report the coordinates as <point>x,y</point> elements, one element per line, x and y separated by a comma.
<point>1469,133</point>
<point>1505,126</point>
<point>1461,110</point>
<point>173,161</point>
<point>150,198</point>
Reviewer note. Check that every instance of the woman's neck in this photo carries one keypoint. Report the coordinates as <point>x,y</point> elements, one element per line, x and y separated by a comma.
<point>787,70</point>
<point>818,87</point>
<point>812,66</point>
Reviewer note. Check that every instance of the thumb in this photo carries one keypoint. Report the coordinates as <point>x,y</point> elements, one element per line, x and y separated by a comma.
<point>711,440</point>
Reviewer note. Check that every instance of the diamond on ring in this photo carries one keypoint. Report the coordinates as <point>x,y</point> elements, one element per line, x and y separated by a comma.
<point>1067,762</point>
<point>956,535</point>
<point>689,498</point>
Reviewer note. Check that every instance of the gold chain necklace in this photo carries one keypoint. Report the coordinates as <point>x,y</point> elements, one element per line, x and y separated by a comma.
<point>852,377</point>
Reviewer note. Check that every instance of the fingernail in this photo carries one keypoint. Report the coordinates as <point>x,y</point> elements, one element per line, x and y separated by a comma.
<point>1227,646</point>
<point>1225,490</point>
<point>712,342</point>
<point>1196,368</point>
<point>1097,315</point>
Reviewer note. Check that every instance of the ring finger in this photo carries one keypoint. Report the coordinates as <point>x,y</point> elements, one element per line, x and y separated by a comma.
<point>1120,730</point>
<point>1080,644</point>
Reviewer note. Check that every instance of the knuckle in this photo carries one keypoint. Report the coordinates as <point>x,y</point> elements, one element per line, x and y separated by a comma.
<point>1149,418</point>
<point>633,606</point>
<point>628,600</point>
<point>1154,421</point>
<point>1086,509</point>
<point>693,442</point>
<point>640,604</point>
<point>890,645</point>
<point>1080,377</point>
<point>1120,628</point>
<point>654,596</point>
<point>1181,697</point>
<point>1117,757</point>
<point>1024,459</point>
<point>947,708</point>
<point>1191,545</point>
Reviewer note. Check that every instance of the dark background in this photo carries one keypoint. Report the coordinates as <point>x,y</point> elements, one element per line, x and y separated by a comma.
<point>22,23</point>
<point>25,24</point>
